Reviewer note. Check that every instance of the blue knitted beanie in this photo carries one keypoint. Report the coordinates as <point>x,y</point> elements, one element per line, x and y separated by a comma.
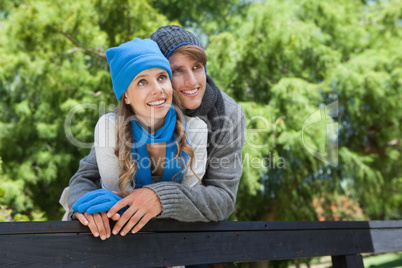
<point>129,59</point>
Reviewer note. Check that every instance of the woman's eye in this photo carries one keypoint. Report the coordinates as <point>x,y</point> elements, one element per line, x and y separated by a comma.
<point>162,77</point>
<point>142,82</point>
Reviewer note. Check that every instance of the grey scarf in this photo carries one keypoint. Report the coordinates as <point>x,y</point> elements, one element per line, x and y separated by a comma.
<point>211,108</point>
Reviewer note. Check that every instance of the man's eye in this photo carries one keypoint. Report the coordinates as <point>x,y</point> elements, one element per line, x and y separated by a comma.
<point>142,82</point>
<point>198,66</point>
<point>176,70</point>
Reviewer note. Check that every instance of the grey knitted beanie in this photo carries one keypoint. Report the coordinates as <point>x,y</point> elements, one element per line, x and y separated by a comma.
<point>171,37</point>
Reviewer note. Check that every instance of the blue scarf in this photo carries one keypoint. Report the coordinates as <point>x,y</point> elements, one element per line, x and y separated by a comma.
<point>174,168</point>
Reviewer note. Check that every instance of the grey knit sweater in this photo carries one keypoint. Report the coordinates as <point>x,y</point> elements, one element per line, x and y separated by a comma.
<point>214,200</point>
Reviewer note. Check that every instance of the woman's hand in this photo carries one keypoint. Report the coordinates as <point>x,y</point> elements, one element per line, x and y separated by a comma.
<point>98,223</point>
<point>143,204</point>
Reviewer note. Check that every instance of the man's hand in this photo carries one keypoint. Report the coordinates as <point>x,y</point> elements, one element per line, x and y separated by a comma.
<point>143,204</point>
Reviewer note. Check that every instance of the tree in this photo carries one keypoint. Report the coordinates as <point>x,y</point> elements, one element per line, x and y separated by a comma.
<point>55,73</point>
<point>207,17</point>
<point>310,75</point>
<point>296,58</point>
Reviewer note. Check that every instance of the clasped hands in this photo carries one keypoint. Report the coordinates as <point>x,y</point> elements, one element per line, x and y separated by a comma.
<point>95,208</point>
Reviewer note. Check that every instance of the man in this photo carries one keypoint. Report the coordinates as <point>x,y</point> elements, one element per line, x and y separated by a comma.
<point>214,200</point>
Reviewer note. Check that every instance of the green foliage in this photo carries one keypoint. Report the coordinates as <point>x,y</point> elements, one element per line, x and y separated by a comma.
<point>295,58</point>
<point>5,213</point>
<point>271,44</point>
<point>207,16</point>
<point>56,74</point>
<point>298,68</point>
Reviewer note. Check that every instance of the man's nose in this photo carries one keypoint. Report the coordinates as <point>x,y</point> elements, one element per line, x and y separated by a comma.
<point>189,79</point>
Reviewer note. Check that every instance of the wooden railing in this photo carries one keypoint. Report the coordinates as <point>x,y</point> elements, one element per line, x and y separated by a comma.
<point>169,243</point>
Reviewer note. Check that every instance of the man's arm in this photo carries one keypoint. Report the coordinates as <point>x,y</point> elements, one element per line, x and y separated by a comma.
<point>214,200</point>
<point>86,179</point>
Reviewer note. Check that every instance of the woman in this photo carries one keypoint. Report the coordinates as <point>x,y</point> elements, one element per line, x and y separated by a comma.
<point>141,81</point>
<point>146,140</point>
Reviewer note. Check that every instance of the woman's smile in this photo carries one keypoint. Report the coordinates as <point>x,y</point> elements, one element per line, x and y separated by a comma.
<point>159,103</point>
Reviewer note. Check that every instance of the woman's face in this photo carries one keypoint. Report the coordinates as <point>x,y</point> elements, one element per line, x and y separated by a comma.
<point>188,79</point>
<point>150,96</point>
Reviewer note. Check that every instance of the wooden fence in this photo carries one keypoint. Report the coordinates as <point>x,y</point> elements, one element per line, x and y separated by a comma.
<point>169,243</point>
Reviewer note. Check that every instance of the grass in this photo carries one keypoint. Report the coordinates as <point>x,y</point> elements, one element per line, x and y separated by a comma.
<point>390,260</point>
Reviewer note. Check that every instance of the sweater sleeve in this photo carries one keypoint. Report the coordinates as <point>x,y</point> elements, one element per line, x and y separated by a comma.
<point>214,200</point>
<point>86,179</point>
<point>105,143</point>
<point>198,138</point>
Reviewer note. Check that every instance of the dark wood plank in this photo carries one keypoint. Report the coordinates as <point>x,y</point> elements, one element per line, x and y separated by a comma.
<point>385,224</point>
<point>348,261</point>
<point>166,249</point>
<point>166,243</point>
<point>174,226</point>
<point>386,240</point>
<point>45,227</point>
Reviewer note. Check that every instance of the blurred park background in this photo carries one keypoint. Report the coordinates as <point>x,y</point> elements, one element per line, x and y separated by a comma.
<point>320,82</point>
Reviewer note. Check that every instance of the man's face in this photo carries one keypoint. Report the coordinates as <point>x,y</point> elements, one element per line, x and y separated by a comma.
<point>189,79</point>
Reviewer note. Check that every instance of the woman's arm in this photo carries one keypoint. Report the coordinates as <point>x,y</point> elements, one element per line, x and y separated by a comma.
<point>197,132</point>
<point>105,144</point>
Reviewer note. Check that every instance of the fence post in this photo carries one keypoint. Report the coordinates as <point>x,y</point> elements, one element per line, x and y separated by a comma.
<point>347,261</point>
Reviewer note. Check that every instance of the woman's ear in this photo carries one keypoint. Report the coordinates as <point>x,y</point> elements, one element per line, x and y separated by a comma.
<point>126,99</point>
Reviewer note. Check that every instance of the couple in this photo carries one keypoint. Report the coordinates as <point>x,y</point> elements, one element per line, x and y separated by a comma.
<point>156,81</point>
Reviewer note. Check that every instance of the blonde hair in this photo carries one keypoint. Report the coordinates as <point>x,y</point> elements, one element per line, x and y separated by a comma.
<point>124,143</point>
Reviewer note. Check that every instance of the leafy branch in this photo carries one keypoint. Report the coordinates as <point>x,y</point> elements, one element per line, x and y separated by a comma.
<point>89,50</point>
